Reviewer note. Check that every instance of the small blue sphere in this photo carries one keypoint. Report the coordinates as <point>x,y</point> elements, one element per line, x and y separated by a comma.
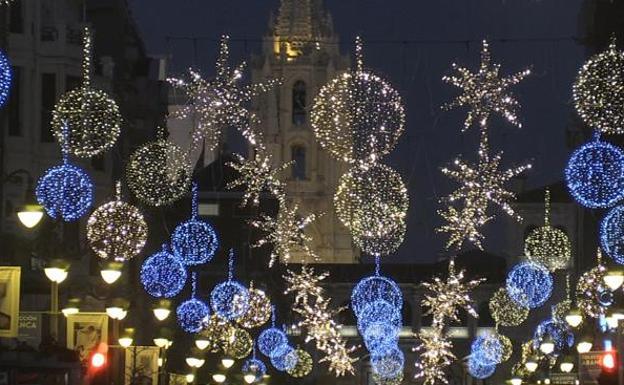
<point>479,370</point>
<point>379,324</point>
<point>373,288</point>
<point>612,234</point>
<point>194,242</point>
<point>229,300</point>
<point>270,340</point>
<point>557,330</point>
<point>595,174</point>
<point>255,367</point>
<point>284,358</point>
<point>529,284</point>
<point>389,364</point>
<point>163,275</point>
<point>65,191</point>
<point>6,78</point>
<point>487,349</point>
<point>191,315</point>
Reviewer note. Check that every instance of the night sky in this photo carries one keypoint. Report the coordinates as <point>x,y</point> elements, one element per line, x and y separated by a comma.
<point>413,43</point>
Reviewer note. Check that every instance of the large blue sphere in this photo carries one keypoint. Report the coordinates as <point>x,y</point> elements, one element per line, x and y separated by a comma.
<point>529,284</point>
<point>65,191</point>
<point>191,315</point>
<point>229,300</point>
<point>379,324</point>
<point>270,340</point>
<point>558,331</point>
<point>595,174</point>
<point>284,358</point>
<point>373,288</point>
<point>479,370</point>
<point>389,364</point>
<point>194,242</point>
<point>487,349</point>
<point>163,275</point>
<point>612,234</point>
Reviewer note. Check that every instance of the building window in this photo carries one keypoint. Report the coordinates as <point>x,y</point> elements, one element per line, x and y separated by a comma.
<point>299,103</point>
<point>16,17</point>
<point>48,98</point>
<point>298,156</point>
<point>15,113</point>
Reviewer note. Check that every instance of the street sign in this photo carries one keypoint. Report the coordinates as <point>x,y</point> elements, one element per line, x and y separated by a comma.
<point>589,367</point>
<point>563,378</point>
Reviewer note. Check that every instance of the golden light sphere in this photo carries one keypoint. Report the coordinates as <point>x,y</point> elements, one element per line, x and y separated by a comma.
<point>258,312</point>
<point>238,343</point>
<point>505,311</point>
<point>549,247</point>
<point>589,289</point>
<point>215,331</point>
<point>304,364</point>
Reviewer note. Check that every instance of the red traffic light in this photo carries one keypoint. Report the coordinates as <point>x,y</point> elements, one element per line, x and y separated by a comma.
<point>608,361</point>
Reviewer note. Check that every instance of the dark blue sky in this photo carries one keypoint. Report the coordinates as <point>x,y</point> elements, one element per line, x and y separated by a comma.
<point>413,44</point>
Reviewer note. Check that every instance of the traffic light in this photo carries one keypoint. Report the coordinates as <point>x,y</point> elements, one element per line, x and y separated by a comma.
<point>609,368</point>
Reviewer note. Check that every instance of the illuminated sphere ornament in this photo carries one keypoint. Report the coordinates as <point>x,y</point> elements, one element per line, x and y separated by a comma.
<point>529,284</point>
<point>284,358</point>
<point>259,311</point>
<point>65,191</point>
<point>612,234</point>
<point>386,244</point>
<point>270,340</point>
<point>358,117</point>
<point>254,367</point>
<point>597,91</point>
<point>487,349</point>
<point>191,314</point>
<point>394,380</point>
<point>375,288</point>
<point>215,330</point>
<point>303,366</point>
<point>557,330</point>
<point>117,230</point>
<point>507,346</point>
<point>238,343</point>
<point>388,364</point>
<point>163,275</point>
<point>6,78</point>
<point>479,370</point>
<point>194,241</point>
<point>592,295</point>
<point>595,174</point>
<point>159,173</point>
<point>379,324</point>
<point>505,311</point>
<point>230,299</point>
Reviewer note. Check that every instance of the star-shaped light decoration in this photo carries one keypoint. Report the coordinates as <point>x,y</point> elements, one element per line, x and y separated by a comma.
<point>464,224</point>
<point>286,233</point>
<point>221,102</point>
<point>436,355</point>
<point>485,92</point>
<point>257,175</point>
<point>305,284</point>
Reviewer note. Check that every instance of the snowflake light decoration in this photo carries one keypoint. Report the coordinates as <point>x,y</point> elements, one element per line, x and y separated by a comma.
<point>485,92</point>
<point>257,175</point>
<point>435,355</point>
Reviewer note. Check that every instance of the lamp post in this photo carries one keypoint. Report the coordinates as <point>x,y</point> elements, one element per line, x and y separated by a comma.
<point>56,272</point>
<point>30,212</point>
<point>111,271</point>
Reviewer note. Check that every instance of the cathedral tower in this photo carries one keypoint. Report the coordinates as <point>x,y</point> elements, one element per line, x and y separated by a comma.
<point>302,50</point>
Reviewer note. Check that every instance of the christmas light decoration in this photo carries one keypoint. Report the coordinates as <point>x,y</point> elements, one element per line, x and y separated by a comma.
<point>159,173</point>
<point>318,319</point>
<point>596,91</point>
<point>220,103</point>
<point>435,355</point>
<point>215,330</point>
<point>255,367</point>
<point>561,335</point>
<point>303,366</point>
<point>270,340</point>
<point>238,343</point>
<point>357,116</point>
<point>485,92</point>
<point>379,324</point>
<point>591,289</point>
<point>479,370</point>
<point>505,311</point>
<point>163,275</point>
<point>93,118</point>
<point>375,288</point>
<point>285,358</point>
<point>192,312</point>
<point>230,299</point>
<point>6,77</point>
<point>388,364</point>
<point>194,241</point>
<point>595,174</point>
<point>259,311</point>
<point>286,233</point>
<point>529,284</point>
<point>487,349</point>
<point>612,234</point>
<point>257,175</point>
<point>117,230</point>
<point>371,201</point>
<point>395,380</point>
<point>507,346</point>
<point>548,245</point>
<point>386,244</point>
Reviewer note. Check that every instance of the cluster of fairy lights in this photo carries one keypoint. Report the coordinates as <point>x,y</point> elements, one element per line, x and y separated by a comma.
<point>529,284</point>
<point>485,92</point>
<point>93,117</point>
<point>612,234</point>
<point>192,312</point>
<point>257,175</point>
<point>238,343</point>
<point>505,311</point>
<point>163,275</point>
<point>6,78</point>
<point>230,299</point>
<point>117,230</point>
<point>304,364</point>
<point>220,103</point>
<point>486,352</point>
<point>444,298</point>
<point>259,309</point>
<point>319,320</point>
<point>591,289</point>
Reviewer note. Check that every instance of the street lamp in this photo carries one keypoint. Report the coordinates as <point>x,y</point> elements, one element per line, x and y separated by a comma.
<point>531,364</point>
<point>111,272</point>
<point>219,378</point>
<point>126,338</point>
<point>227,362</point>
<point>72,307</point>
<point>194,360</point>
<point>574,317</point>
<point>162,309</point>
<point>614,278</point>
<point>190,378</point>
<point>547,345</point>
<point>56,272</point>
<point>567,364</point>
<point>584,345</point>
<point>117,310</point>
<point>516,380</point>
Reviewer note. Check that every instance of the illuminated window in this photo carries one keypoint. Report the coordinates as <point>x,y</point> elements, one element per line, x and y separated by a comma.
<point>298,156</point>
<point>299,103</point>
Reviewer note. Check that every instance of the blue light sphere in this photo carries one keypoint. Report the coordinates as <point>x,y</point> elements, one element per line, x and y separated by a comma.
<point>191,314</point>
<point>612,234</point>
<point>389,364</point>
<point>270,340</point>
<point>194,242</point>
<point>163,275</point>
<point>373,288</point>
<point>229,300</point>
<point>479,370</point>
<point>595,174</point>
<point>254,367</point>
<point>6,78</point>
<point>487,349</point>
<point>557,330</point>
<point>379,324</point>
<point>529,284</point>
<point>284,358</point>
<point>65,191</point>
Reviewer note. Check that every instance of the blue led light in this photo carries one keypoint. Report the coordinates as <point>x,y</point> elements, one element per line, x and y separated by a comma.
<point>595,174</point>
<point>230,299</point>
<point>529,284</point>
<point>254,366</point>
<point>194,241</point>
<point>487,349</point>
<point>270,340</point>
<point>478,370</point>
<point>163,275</point>
<point>284,358</point>
<point>191,314</point>
<point>373,288</point>
<point>379,324</point>
<point>557,330</point>
<point>389,364</point>
<point>612,234</point>
<point>65,191</point>
<point>6,78</point>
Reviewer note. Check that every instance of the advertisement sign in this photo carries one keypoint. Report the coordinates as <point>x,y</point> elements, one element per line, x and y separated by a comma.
<point>9,300</point>
<point>29,329</point>
<point>85,331</point>
<point>142,365</point>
